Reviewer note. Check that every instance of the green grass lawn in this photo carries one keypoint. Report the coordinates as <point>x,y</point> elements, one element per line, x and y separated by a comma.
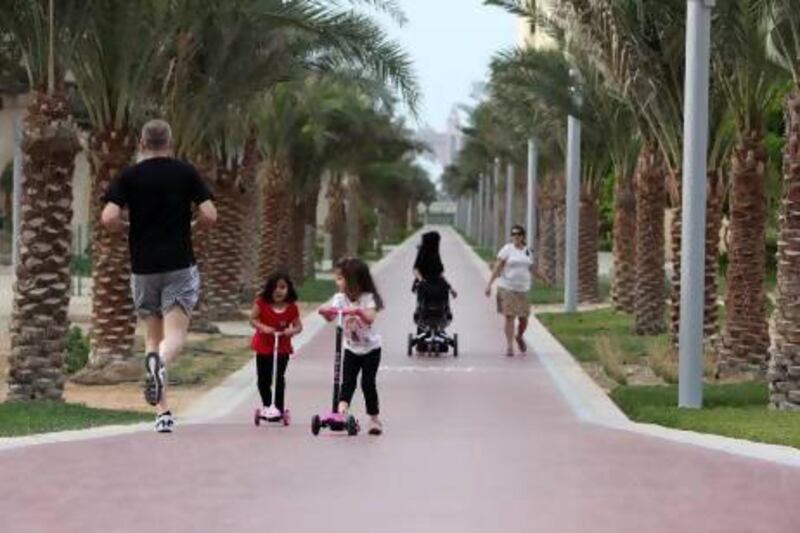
<point>29,418</point>
<point>541,294</point>
<point>209,362</point>
<point>317,290</point>
<point>578,332</point>
<point>372,255</point>
<point>733,410</point>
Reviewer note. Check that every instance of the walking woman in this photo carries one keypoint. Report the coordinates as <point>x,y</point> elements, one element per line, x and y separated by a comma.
<point>514,267</point>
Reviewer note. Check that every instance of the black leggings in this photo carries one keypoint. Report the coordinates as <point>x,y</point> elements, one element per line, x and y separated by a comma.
<point>368,365</point>
<point>264,365</point>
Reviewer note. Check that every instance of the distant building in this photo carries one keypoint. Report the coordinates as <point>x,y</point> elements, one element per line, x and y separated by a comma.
<point>444,145</point>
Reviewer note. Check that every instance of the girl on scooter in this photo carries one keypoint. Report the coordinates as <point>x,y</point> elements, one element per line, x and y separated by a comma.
<point>274,315</point>
<point>359,302</point>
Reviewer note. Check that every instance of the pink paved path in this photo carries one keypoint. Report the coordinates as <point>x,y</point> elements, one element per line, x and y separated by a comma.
<point>479,444</point>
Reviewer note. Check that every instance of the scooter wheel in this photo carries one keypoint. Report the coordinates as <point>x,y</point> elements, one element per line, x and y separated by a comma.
<point>455,344</point>
<point>410,344</point>
<point>287,417</point>
<point>316,423</point>
<point>352,426</point>
<point>257,417</point>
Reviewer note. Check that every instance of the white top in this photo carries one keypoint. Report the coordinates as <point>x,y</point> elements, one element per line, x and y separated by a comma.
<point>359,337</point>
<point>516,275</point>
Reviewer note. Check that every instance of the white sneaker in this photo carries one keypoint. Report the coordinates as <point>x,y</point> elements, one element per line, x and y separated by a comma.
<point>272,413</point>
<point>165,423</point>
<point>375,426</point>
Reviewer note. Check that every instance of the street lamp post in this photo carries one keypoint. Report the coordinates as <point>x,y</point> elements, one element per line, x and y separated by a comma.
<point>495,212</point>
<point>572,204</point>
<point>470,208</point>
<point>479,232</point>
<point>531,196</point>
<point>509,197</point>
<point>693,206</point>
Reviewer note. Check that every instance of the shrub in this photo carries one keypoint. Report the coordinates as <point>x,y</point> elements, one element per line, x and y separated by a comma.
<point>664,362</point>
<point>609,353</point>
<point>77,350</point>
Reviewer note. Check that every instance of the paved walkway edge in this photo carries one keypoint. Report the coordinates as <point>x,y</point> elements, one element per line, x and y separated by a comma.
<point>216,403</point>
<point>591,404</point>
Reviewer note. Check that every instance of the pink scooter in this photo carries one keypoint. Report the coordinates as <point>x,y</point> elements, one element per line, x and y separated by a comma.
<point>334,420</point>
<point>286,417</point>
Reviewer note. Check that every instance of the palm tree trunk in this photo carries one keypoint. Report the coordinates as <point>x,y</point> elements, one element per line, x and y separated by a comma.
<point>560,216</point>
<point>745,337</point>
<point>251,227</point>
<point>336,224</point>
<point>624,284</point>
<point>547,245</point>
<point>224,250</point>
<point>713,226</point>
<point>298,239</point>
<point>39,320</point>
<point>783,376</point>
<point>111,359</point>
<point>675,229</point>
<point>353,215</point>
<point>310,241</point>
<point>587,250</point>
<point>276,230</point>
<point>201,316</point>
<point>649,292</point>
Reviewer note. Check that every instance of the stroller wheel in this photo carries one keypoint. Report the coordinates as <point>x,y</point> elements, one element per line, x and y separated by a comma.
<point>410,344</point>
<point>455,344</point>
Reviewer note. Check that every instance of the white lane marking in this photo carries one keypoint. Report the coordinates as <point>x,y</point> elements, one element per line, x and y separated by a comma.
<point>431,369</point>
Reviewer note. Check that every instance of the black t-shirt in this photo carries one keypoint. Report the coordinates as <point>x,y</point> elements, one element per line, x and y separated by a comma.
<point>159,194</point>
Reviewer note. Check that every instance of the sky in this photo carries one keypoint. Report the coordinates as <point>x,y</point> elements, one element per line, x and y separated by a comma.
<point>451,43</point>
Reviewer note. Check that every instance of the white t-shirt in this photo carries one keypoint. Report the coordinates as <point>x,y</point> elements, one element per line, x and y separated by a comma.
<point>359,337</point>
<point>516,275</point>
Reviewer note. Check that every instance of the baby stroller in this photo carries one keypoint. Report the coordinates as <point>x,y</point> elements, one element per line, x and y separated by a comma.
<point>432,317</point>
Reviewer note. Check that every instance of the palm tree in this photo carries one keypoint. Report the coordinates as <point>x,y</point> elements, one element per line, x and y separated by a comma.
<point>39,320</point>
<point>784,383</point>
<point>749,85</point>
<point>544,74</point>
<point>233,179</point>
<point>624,283</point>
<point>283,42</point>
<point>116,58</point>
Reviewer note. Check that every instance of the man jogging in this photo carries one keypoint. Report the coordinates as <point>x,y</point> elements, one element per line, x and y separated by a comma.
<point>159,192</point>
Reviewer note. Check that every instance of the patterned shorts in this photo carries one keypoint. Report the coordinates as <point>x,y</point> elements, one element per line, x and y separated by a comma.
<point>156,294</point>
<point>513,303</point>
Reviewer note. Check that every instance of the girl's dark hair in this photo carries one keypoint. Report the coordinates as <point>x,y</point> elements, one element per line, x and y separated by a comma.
<point>358,280</point>
<point>272,283</point>
<point>429,262</point>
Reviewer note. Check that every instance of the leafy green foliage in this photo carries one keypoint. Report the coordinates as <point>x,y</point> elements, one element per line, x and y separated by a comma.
<point>77,350</point>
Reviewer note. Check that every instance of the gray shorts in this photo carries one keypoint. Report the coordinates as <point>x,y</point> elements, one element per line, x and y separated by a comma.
<point>155,294</point>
